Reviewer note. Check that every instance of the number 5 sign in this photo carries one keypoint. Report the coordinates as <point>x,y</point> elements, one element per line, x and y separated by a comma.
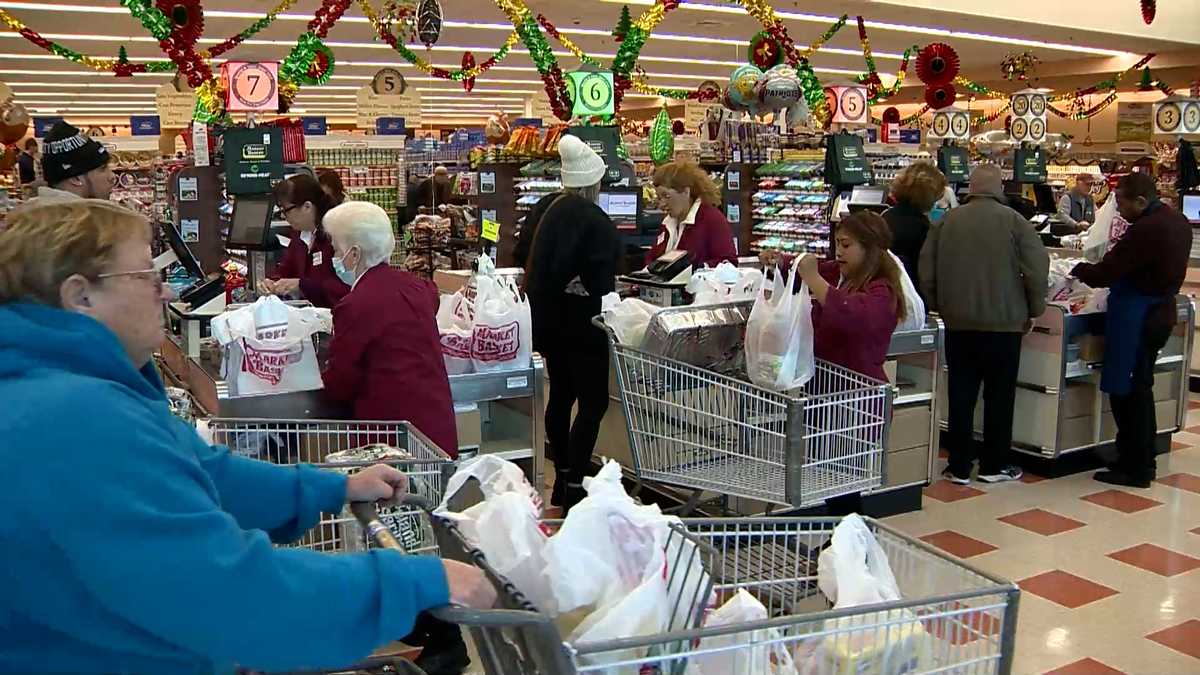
<point>251,87</point>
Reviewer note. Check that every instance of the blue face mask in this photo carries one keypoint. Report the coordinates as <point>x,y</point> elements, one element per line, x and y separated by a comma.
<point>339,268</point>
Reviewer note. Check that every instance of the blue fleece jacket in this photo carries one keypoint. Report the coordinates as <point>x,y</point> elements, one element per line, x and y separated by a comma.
<point>128,545</point>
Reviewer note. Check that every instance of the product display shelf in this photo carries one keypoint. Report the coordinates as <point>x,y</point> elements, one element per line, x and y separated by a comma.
<point>1060,408</point>
<point>373,172</point>
<point>790,209</point>
<point>537,180</point>
<point>888,161</point>
<point>497,202</point>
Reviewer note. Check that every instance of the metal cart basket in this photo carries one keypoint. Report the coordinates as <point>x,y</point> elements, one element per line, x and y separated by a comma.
<point>953,618</point>
<point>323,443</point>
<point>693,427</point>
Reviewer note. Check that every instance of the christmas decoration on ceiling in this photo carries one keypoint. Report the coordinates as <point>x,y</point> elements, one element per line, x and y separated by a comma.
<point>1019,66</point>
<point>468,63</point>
<point>399,18</point>
<point>623,24</point>
<point>429,22</point>
<point>1149,8</point>
<point>937,64</point>
<point>187,20</point>
<point>662,140</point>
<point>765,52</point>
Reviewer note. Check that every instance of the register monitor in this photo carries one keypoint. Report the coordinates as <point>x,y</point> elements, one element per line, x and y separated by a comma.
<point>183,253</point>
<point>250,228</point>
<point>1191,208</point>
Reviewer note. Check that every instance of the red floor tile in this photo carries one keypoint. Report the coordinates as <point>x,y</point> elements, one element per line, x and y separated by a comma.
<point>1193,405</point>
<point>1193,430</point>
<point>1065,589</point>
<point>962,628</point>
<point>945,491</point>
<point>1031,478</point>
<point>1085,667</point>
<point>958,544</point>
<point>1184,638</point>
<point>1156,559</point>
<point>1119,500</point>
<point>1042,522</point>
<point>1176,445</point>
<point>1183,481</point>
<point>1195,531</point>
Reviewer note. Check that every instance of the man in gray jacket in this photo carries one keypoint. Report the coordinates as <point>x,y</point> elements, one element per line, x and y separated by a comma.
<point>984,270</point>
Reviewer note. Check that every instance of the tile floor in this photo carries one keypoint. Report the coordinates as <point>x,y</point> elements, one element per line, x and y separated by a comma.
<point>1110,576</point>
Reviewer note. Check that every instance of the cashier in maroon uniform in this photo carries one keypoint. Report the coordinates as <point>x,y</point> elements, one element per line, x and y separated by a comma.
<point>386,356</point>
<point>306,269</point>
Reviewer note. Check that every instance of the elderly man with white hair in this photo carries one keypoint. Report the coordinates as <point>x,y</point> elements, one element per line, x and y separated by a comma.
<point>385,361</point>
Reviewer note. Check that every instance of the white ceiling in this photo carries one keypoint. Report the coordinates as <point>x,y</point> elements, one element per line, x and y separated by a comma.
<point>694,43</point>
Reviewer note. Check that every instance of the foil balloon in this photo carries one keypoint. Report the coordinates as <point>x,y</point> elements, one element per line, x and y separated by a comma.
<point>497,130</point>
<point>728,102</point>
<point>429,22</point>
<point>798,114</point>
<point>662,141</point>
<point>14,122</point>
<point>779,88</point>
<point>743,86</point>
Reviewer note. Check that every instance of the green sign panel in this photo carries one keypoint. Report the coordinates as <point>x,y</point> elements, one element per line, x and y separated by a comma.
<point>1029,165</point>
<point>591,93</point>
<point>253,160</point>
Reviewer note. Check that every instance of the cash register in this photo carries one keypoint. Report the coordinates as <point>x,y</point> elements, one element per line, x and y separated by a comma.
<point>207,291</point>
<point>663,281</point>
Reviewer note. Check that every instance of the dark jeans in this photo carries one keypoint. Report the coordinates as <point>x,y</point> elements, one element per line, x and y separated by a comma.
<point>988,359</point>
<point>1134,412</point>
<point>577,376</point>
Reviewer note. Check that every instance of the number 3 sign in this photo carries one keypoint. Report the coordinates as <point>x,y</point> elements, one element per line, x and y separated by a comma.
<point>251,87</point>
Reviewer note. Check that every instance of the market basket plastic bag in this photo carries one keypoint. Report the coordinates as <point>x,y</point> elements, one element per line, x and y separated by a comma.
<point>779,335</point>
<point>269,346</point>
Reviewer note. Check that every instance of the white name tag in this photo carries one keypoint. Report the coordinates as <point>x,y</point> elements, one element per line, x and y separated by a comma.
<point>317,259</point>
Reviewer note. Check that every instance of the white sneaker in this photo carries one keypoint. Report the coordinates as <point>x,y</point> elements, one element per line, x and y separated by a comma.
<point>949,475</point>
<point>1008,473</point>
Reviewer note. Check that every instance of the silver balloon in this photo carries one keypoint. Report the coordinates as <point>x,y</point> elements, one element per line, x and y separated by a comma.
<point>777,93</point>
<point>798,114</point>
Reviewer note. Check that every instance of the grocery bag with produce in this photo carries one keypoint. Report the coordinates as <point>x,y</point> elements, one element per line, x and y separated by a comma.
<point>853,571</point>
<point>779,335</point>
<point>770,657</point>
<point>628,318</point>
<point>269,348</point>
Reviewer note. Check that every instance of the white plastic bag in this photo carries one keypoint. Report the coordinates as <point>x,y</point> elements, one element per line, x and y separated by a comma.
<point>854,571</point>
<point>738,657</point>
<point>724,283</point>
<point>269,347</point>
<point>628,318</point>
<point>779,335</point>
<point>455,316</point>
<point>502,333</point>
<point>914,306</point>
<point>1096,243</point>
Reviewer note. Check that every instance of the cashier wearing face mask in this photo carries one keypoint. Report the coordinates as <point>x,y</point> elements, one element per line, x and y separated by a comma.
<point>131,545</point>
<point>693,222</point>
<point>386,355</point>
<point>306,269</point>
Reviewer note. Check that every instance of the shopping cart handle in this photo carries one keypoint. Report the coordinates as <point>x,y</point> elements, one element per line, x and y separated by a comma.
<point>500,618</point>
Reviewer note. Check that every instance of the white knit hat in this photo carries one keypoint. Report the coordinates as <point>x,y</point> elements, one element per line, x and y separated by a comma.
<point>581,166</point>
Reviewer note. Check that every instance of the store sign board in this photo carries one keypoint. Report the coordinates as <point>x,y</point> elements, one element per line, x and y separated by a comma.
<point>251,86</point>
<point>953,123</point>
<point>1177,116</point>
<point>1135,122</point>
<point>42,125</point>
<point>490,231</point>
<point>954,163</point>
<point>592,93</point>
<point>389,126</point>
<point>372,106</point>
<point>695,115</point>
<point>175,108</point>
<point>604,140</point>
<point>315,126</point>
<point>845,160</point>
<point>1029,165</point>
<point>912,136</point>
<point>253,159</point>
<point>848,104</point>
<point>144,125</point>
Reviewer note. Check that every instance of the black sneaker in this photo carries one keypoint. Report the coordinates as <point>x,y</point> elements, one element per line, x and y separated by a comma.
<point>949,475</point>
<point>1008,473</point>
<point>1121,478</point>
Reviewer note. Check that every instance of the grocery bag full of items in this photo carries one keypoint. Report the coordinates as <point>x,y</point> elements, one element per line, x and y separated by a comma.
<point>268,346</point>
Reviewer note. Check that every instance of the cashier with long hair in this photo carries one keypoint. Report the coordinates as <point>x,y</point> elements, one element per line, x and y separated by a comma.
<point>693,222</point>
<point>306,269</point>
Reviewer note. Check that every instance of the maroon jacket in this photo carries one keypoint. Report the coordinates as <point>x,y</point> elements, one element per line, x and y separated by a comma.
<point>386,355</point>
<point>709,239</point>
<point>319,284</point>
<point>854,329</point>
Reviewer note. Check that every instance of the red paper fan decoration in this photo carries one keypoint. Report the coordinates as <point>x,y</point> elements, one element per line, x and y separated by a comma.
<point>187,20</point>
<point>937,64</point>
<point>941,96</point>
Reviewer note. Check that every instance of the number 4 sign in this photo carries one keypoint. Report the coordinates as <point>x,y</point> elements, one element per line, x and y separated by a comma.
<point>251,87</point>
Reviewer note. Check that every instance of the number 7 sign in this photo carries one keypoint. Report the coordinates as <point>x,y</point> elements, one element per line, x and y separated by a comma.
<point>251,87</point>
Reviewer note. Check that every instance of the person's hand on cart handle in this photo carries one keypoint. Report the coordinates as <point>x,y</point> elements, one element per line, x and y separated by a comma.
<point>378,483</point>
<point>468,586</point>
<point>286,286</point>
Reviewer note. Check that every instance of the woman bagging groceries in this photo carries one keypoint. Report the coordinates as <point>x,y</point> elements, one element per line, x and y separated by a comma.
<point>858,298</point>
<point>130,545</point>
<point>306,269</point>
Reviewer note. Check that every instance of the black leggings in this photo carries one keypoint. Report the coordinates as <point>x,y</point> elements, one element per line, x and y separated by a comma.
<point>576,377</point>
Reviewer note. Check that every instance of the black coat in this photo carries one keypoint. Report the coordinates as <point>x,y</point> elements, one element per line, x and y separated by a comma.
<point>909,229</point>
<point>574,239</point>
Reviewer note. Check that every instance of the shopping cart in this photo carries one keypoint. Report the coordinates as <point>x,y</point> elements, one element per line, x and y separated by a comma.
<point>696,428</point>
<point>316,442</point>
<point>953,618</point>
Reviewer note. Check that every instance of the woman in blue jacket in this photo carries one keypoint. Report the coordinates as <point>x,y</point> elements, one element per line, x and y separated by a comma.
<point>130,545</point>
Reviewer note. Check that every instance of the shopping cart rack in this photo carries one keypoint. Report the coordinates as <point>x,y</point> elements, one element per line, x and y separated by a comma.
<point>693,427</point>
<point>346,446</point>
<point>953,618</point>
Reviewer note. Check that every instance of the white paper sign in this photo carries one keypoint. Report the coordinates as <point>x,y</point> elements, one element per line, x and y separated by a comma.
<point>734,213</point>
<point>189,229</point>
<point>734,180</point>
<point>200,144</point>
<point>189,189</point>
<point>372,106</point>
<point>487,183</point>
<point>174,108</point>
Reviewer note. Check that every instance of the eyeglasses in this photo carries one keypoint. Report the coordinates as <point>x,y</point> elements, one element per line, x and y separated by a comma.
<point>283,210</point>
<point>151,274</point>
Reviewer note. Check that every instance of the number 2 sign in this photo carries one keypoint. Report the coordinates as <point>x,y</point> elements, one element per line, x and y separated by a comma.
<point>251,87</point>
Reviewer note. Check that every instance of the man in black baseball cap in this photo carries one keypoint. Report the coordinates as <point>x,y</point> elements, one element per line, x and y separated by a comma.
<point>74,165</point>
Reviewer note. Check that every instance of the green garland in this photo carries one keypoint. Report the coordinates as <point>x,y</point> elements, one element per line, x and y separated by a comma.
<point>150,17</point>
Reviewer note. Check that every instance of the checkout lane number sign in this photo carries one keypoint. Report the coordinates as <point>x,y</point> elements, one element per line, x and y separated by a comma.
<point>591,93</point>
<point>253,87</point>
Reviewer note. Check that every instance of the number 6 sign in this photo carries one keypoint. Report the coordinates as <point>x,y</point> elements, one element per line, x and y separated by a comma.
<point>591,93</point>
<point>251,87</point>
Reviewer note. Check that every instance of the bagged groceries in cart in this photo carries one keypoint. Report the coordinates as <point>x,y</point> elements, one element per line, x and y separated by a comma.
<point>770,658</point>
<point>614,569</point>
<point>853,571</point>
<point>779,335</point>
<point>269,346</point>
<point>455,313</point>
<point>628,318</point>
<point>914,306</point>
<point>724,283</point>
<point>487,326</point>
